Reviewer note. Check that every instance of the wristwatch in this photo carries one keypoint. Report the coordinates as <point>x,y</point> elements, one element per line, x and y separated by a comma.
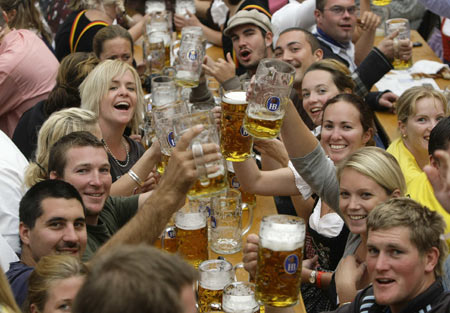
<point>313,277</point>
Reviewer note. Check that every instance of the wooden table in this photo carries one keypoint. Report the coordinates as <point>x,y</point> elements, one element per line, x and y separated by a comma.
<point>389,120</point>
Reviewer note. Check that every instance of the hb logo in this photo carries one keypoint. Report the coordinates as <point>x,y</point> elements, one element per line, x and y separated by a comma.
<point>170,139</point>
<point>291,264</point>
<point>273,103</point>
<point>192,55</point>
<point>243,132</point>
<point>235,183</point>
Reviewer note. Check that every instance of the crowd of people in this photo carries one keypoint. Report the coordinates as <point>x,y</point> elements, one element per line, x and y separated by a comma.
<point>81,201</point>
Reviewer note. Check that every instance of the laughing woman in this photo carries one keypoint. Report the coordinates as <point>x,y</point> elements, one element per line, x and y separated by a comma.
<point>113,91</point>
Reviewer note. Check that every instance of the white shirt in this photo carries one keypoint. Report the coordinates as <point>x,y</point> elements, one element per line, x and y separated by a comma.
<point>7,254</point>
<point>439,7</point>
<point>293,14</point>
<point>12,188</point>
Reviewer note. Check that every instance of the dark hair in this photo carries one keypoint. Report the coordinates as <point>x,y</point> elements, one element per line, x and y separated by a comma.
<point>72,71</point>
<point>108,33</point>
<point>339,72</point>
<point>30,207</point>
<point>135,279</point>
<point>320,5</point>
<point>439,136</point>
<point>366,116</point>
<point>57,158</point>
<point>310,38</point>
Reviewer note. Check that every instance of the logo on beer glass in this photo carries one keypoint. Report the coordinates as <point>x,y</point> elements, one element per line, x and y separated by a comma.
<point>171,139</point>
<point>213,222</point>
<point>291,264</point>
<point>235,183</point>
<point>192,55</point>
<point>171,233</point>
<point>243,132</point>
<point>273,104</point>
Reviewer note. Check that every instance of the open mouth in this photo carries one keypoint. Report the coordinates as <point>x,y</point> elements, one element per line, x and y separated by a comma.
<point>123,106</point>
<point>338,147</point>
<point>357,217</point>
<point>94,195</point>
<point>384,281</point>
<point>315,110</point>
<point>245,54</point>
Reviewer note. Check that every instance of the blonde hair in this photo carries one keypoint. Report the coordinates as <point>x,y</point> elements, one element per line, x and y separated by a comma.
<point>56,126</point>
<point>378,165</point>
<point>406,103</point>
<point>51,268</point>
<point>6,296</point>
<point>77,5</point>
<point>97,83</point>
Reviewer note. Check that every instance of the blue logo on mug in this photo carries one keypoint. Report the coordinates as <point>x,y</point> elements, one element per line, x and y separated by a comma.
<point>192,55</point>
<point>171,233</point>
<point>273,104</point>
<point>213,222</point>
<point>171,139</point>
<point>291,264</point>
<point>235,183</point>
<point>243,132</point>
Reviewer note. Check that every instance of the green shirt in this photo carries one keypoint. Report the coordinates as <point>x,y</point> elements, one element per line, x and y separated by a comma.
<point>116,212</point>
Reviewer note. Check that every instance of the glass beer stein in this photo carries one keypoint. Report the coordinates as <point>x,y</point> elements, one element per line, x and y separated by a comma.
<point>214,276</point>
<point>206,184</point>
<point>239,297</point>
<point>401,25</point>
<point>280,254</point>
<point>226,222</point>
<point>235,143</point>
<point>192,234</point>
<point>268,100</point>
<point>189,64</point>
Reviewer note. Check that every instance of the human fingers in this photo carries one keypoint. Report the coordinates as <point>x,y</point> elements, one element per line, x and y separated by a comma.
<point>187,137</point>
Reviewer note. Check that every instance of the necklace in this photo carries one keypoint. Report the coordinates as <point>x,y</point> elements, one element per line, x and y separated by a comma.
<point>117,161</point>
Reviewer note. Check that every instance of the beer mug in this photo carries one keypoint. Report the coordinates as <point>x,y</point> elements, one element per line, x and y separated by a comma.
<point>206,184</point>
<point>168,239</point>
<point>226,222</point>
<point>154,54</point>
<point>214,88</point>
<point>278,274</point>
<point>164,91</point>
<point>154,6</point>
<point>164,35</point>
<point>401,25</point>
<point>214,276</point>
<point>192,234</point>
<point>239,297</point>
<point>235,143</point>
<point>182,6</point>
<point>267,103</point>
<point>189,64</point>
<point>246,197</point>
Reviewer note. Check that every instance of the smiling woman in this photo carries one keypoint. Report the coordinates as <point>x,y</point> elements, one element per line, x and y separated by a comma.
<point>113,91</point>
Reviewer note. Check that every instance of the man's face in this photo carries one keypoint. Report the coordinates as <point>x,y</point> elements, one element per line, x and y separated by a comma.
<point>88,170</point>
<point>338,25</point>
<point>293,48</point>
<point>249,44</point>
<point>398,270</point>
<point>61,229</point>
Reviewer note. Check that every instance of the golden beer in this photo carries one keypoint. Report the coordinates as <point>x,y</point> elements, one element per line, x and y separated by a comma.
<point>214,184</point>
<point>381,2</point>
<point>169,242</point>
<point>263,127</point>
<point>235,143</point>
<point>278,275</point>
<point>246,197</point>
<point>167,55</point>
<point>156,51</point>
<point>206,297</point>
<point>162,165</point>
<point>402,64</point>
<point>192,237</point>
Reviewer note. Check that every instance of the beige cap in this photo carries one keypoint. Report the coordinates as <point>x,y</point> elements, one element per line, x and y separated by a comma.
<point>248,17</point>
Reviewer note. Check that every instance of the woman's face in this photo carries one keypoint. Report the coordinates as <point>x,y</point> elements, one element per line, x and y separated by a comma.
<point>117,49</point>
<point>61,294</point>
<point>118,105</point>
<point>317,87</point>
<point>359,194</point>
<point>416,131</point>
<point>342,132</point>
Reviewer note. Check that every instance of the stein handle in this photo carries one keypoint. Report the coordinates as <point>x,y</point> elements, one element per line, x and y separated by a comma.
<point>174,47</point>
<point>250,217</point>
<point>240,266</point>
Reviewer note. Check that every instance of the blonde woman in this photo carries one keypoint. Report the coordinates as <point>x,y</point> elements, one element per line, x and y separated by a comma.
<point>7,302</point>
<point>54,283</point>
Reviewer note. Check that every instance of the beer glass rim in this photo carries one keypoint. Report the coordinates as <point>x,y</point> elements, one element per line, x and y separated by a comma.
<point>204,266</point>
<point>229,100</point>
<point>162,79</point>
<point>237,283</point>
<point>280,66</point>
<point>283,219</point>
<point>397,20</point>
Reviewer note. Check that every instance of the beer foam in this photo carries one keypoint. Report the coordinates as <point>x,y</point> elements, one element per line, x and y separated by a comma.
<point>215,280</point>
<point>190,221</point>
<point>282,237</point>
<point>235,97</point>
<point>263,116</point>
<point>239,304</point>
